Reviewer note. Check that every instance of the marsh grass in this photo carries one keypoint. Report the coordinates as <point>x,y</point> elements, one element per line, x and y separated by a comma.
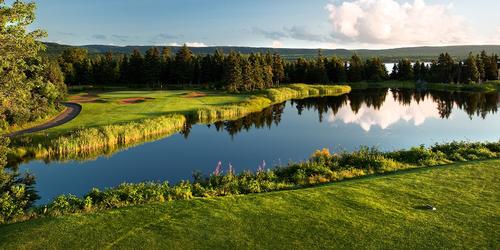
<point>86,142</point>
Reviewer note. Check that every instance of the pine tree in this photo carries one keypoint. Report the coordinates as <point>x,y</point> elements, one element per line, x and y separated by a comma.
<point>124,70</point>
<point>278,69</point>
<point>232,72</point>
<point>183,65</point>
<point>136,68</point>
<point>355,72</point>
<point>472,72</point>
<point>152,66</point>
<point>166,65</point>
<point>247,75</point>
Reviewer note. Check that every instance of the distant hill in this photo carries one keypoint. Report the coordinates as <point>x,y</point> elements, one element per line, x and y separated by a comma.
<point>421,53</point>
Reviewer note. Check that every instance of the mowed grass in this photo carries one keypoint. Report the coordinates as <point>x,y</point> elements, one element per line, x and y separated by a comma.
<point>109,110</point>
<point>376,213</point>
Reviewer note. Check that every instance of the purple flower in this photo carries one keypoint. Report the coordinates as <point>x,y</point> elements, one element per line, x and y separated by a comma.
<point>218,169</point>
<point>261,167</point>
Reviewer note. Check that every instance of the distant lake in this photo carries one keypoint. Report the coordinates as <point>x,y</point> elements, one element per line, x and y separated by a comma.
<point>291,131</point>
<point>389,66</point>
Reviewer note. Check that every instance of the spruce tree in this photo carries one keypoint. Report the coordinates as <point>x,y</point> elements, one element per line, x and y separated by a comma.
<point>355,72</point>
<point>232,72</point>
<point>278,69</point>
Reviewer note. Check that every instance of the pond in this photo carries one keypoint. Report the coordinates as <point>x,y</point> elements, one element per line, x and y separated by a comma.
<point>386,118</point>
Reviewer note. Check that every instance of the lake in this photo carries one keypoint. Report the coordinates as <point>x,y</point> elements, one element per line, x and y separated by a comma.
<point>291,131</point>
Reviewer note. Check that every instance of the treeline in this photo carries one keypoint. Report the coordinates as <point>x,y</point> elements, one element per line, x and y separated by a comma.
<point>475,69</point>
<point>236,72</point>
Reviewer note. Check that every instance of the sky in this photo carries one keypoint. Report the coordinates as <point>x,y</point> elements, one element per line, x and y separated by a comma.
<point>271,23</point>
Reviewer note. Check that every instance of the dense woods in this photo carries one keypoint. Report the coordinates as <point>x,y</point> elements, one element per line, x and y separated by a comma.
<point>237,72</point>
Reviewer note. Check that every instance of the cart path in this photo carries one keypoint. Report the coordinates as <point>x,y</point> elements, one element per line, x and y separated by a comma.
<point>72,110</point>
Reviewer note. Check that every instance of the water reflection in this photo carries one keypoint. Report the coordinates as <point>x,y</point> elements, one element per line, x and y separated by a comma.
<point>374,107</point>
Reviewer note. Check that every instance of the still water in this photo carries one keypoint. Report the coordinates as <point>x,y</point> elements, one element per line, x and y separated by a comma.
<point>291,131</point>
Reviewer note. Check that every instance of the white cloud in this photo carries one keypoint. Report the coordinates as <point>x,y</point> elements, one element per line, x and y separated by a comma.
<point>391,22</point>
<point>277,44</point>
<point>189,44</point>
<point>389,113</point>
<point>495,37</point>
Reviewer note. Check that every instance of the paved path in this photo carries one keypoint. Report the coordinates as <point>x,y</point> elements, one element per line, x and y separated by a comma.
<point>72,111</point>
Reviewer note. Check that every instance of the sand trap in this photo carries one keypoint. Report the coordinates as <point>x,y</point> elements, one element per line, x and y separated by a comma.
<point>87,98</point>
<point>133,100</point>
<point>194,94</point>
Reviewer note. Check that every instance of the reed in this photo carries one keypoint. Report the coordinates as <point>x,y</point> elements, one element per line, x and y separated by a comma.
<point>86,142</point>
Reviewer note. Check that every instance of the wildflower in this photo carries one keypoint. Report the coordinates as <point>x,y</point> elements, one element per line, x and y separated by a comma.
<point>231,169</point>
<point>261,167</point>
<point>218,169</point>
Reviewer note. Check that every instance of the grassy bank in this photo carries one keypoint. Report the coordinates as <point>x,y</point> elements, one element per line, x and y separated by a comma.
<point>490,86</point>
<point>378,212</point>
<point>115,120</point>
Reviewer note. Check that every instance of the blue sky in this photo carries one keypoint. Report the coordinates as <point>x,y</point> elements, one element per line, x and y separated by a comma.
<point>266,23</point>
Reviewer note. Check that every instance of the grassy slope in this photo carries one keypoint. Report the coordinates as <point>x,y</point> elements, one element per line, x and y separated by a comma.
<point>374,212</point>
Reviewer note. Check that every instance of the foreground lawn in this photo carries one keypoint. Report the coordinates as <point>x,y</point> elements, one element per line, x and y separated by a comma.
<point>375,212</point>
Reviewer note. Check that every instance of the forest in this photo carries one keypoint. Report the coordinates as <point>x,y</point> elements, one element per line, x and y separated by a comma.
<point>237,72</point>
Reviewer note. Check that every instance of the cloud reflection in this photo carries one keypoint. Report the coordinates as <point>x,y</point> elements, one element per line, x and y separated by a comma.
<point>389,113</point>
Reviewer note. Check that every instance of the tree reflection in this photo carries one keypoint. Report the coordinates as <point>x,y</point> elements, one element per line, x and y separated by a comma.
<point>473,104</point>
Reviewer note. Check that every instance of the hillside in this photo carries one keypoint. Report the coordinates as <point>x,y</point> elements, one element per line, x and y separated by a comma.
<point>421,53</point>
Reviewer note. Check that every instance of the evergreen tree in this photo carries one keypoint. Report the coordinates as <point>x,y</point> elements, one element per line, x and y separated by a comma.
<point>136,68</point>
<point>335,69</point>
<point>184,65</point>
<point>375,70</point>
<point>278,69</point>
<point>124,70</point>
<point>472,73</point>
<point>247,75</point>
<point>232,72</point>
<point>166,65</point>
<point>355,71</point>
<point>152,66</point>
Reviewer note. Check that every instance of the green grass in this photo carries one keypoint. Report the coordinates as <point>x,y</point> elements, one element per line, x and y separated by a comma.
<point>111,111</point>
<point>375,212</point>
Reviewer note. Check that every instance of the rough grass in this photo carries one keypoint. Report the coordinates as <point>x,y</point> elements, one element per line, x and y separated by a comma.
<point>376,212</point>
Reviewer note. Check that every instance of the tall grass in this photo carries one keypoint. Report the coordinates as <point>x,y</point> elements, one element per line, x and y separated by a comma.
<point>266,98</point>
<point>86,142</point>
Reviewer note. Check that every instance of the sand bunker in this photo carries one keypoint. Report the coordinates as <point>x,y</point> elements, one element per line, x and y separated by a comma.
<point>133,100</point>
<point>87,98</point>
<point>194,94</point>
